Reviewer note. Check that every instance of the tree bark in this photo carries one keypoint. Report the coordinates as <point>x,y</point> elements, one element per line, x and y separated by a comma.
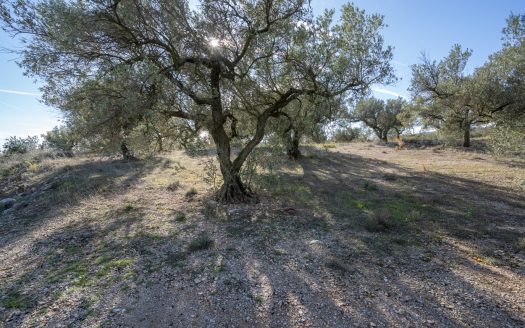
<point>466,137</point>
<point>292,148</point>
<point>232,189</point>
<point>126,153</point>
<point>383,135</point>
<point>160,144</point>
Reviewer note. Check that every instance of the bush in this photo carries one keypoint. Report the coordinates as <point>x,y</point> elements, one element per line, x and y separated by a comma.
<point>60,139</point>
<point>507,140</point>
<point>348,135</point>
<point>15,145</point>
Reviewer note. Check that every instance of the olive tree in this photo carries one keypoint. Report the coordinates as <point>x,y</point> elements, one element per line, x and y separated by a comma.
<point>247,58</point>
<point>447,98</point>
<point>506,68</point>
<point>380,116</point>
<point>306,117</point>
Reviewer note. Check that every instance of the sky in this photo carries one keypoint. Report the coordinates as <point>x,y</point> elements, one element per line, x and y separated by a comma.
<point>414,27</point>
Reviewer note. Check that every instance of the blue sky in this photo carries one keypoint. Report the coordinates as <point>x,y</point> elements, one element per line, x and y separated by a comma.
<point>413,27</point>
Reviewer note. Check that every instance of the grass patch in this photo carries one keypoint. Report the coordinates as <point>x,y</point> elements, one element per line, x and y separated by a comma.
<point>16,300</point>
<point>174,186</point>
<point>210,209</point>
<point>369,186</point>
<point>191,192</point>
<point>379,221</point>
<point>180,217</point>
<point>201,242</point>
<point>113,264</point>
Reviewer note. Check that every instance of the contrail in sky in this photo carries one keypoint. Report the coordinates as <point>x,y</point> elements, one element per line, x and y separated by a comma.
<point>388,92</point>
<point>21,93</point>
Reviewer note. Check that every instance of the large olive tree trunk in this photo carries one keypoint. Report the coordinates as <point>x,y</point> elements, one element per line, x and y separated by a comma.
<point>232,190</point>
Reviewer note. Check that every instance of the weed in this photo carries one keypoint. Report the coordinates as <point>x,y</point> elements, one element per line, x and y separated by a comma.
<point>390,177</point>
<point>369,186</point>
<point>128,207</point>
<point>258,299</point>
<point>379,221</point>
<point>211,174</point>
<point>234,283</point>
<point>412,216</point>
<point>180,217</point>
<point>192,192</point>
<point>174,186</point>
<point>116,264</point>
<point>401,240</point>
<point>471,212</point>
<point>336,266</point>
<point>210,209</point>
<point>329,145</point>
<point>484,260</point>
<point>175,259</point>
<point>202,241</point>
<point>519,245</point>
<point>16,300</point>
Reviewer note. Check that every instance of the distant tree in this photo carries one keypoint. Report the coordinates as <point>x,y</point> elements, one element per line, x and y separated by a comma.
<point>61,139</point>
<point>448,99</point>
<point>232,59</point>
<point>305,117</point>
<point>17,145</point>
<point>348,134</point>
<point>380,116</point>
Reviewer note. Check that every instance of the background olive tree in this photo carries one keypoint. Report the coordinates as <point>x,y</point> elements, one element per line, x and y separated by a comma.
<point>380,116</point>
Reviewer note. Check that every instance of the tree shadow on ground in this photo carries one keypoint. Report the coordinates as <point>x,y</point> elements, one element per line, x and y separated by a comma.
<point>319,256</point>
<point>59,192</point>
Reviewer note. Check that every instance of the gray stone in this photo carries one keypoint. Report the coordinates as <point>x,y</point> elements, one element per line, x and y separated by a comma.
<point>7,203</point>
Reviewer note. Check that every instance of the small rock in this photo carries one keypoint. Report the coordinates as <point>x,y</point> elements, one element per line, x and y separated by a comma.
<point>118,310</point>
<point>7,203</point>
<point>314,241</point>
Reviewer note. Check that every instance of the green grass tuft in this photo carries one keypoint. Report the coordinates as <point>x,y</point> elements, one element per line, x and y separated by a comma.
<point>202,241</point>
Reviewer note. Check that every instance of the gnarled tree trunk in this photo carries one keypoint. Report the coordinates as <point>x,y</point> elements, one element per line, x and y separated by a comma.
<point>292,144</point>
<point>232,190</point>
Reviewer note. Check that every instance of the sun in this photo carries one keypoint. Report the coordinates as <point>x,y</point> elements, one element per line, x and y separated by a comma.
<point>214,43</point>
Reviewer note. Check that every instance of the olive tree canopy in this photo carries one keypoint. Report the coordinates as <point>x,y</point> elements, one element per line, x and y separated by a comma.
<point>247,58</point>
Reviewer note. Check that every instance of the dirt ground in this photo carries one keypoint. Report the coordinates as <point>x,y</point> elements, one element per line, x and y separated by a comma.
<point>359,235</point>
